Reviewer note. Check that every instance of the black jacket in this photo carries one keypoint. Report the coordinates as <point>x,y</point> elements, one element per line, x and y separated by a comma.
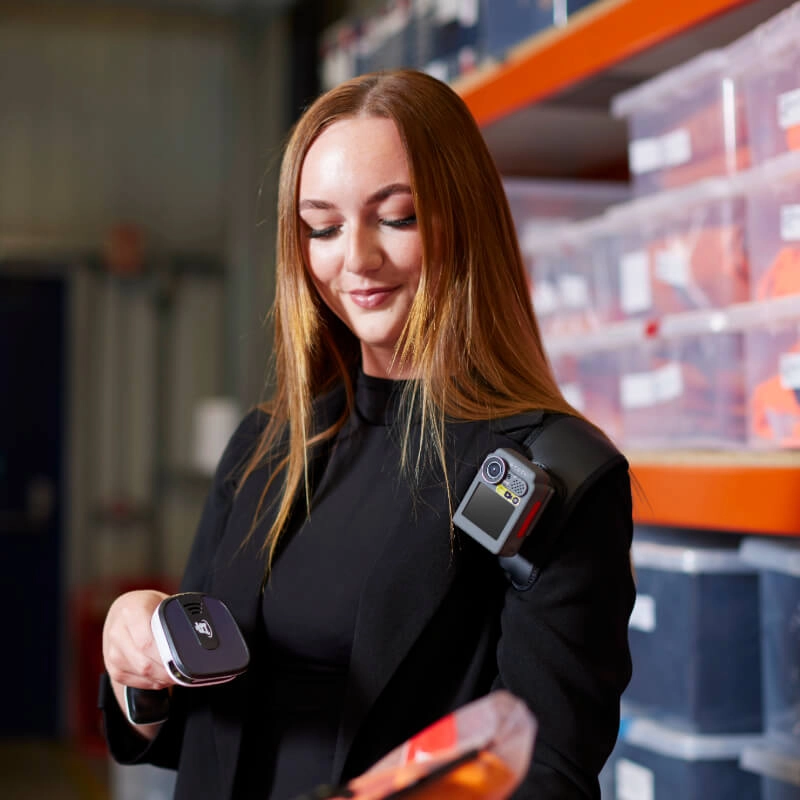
<point>439,625</point>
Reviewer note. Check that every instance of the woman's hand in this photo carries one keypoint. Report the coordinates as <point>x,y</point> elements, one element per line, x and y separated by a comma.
<point>130,653</point>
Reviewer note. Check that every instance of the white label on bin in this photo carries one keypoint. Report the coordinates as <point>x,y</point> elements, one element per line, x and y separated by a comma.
<point>645,155</point>
<point>677,147</point>
<point>468,13</point>
<point>790,223</point>
<point>789,370</point>
<point>633,781</point>
<point>656,152</point>
<point>573,395</point>
<point>789,108</point>
<point>668,382</point>
<point>574,291</point>
<point>545,297</point>
<point>673,265</point>
<point>634,281</point>
<point>637,390</point>
<point>447,10</point>
<point>643,616</point>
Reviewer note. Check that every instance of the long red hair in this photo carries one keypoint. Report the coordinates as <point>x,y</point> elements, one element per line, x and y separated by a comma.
<point>471,339</point>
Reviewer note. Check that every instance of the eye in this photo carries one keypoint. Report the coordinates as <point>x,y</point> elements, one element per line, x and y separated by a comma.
<point>404,222</point>
<point>322,233</point>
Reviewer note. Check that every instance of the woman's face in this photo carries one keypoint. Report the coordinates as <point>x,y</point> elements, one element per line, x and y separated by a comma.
<point>360,237</point>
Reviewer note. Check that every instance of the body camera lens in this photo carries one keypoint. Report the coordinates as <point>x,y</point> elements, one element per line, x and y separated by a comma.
<point>493,469</point>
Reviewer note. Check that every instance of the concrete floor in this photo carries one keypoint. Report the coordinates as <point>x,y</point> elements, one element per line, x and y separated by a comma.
<point>45,770</point>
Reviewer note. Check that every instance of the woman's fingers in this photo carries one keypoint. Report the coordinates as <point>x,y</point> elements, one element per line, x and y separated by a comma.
<point>129,649</point>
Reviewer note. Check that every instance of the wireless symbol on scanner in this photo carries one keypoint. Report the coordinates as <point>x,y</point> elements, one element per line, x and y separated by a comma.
<point>198,640</point>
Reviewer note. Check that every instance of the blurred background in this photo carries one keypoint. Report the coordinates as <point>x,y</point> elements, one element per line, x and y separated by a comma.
<point>139,147</point>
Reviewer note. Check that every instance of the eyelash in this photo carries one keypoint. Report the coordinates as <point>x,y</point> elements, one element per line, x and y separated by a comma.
<point>326,233</point>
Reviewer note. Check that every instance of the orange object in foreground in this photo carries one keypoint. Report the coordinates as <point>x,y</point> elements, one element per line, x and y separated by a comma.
<point>482,750</point>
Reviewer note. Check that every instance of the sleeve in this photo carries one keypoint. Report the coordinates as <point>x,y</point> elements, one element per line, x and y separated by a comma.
<point>564,641</point>
<point>124,743</point>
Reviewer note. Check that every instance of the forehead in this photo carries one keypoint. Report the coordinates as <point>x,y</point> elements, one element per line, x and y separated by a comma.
<point>362,149</point>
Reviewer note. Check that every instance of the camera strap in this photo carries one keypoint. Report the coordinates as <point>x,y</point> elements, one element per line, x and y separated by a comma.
<point>575,454</point>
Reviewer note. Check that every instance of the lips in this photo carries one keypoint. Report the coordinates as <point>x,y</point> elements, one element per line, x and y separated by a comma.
<point>371,298</point>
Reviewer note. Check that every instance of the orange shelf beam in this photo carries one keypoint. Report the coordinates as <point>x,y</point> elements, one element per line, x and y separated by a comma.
<point>595,38</point>
<point>748,498</point>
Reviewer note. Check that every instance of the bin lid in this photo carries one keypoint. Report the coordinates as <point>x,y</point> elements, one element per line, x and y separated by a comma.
<point>662,90</point>
<point>691,559</point>
<point>769,554</point>
<point>667,741</point>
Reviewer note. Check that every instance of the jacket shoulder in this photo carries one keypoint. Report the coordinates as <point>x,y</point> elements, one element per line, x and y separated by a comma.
<point>572,450</point>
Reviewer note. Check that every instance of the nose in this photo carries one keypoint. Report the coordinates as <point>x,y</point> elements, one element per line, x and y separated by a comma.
<point>363,250</point>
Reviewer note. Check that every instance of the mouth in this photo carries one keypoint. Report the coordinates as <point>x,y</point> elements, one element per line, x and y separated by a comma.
<point>372,298</point>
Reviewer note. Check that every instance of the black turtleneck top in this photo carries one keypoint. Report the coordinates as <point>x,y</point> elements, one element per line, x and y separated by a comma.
<point>311,601</point>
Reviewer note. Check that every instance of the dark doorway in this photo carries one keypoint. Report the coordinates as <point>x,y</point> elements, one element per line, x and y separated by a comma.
<point>32,415</point>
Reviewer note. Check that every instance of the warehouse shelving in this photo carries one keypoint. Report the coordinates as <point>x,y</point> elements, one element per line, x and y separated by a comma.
<point>528,108</point>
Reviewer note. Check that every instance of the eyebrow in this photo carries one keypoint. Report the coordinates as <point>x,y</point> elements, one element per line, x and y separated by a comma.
<point>376,197</point>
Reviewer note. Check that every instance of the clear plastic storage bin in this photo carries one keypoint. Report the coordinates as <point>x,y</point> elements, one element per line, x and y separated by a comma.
<point>778,766</point>
<point>772,371</point>
<point>694,637</point>
<point>684,125</point>
<point>587,368</point>
<point>778,563</point>
<point>567,266</point>
<point>543,203</point>
<point>685,385</point>
<point>655,762</point>
<point>686,250</point>
<point>773,227</point>
<point>768,75</point>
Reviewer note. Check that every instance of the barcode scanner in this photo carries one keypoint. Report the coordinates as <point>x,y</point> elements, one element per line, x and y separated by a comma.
<point>199,643</point>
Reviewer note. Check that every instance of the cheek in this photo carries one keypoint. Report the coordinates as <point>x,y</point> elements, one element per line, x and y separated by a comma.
<point>321,263</point>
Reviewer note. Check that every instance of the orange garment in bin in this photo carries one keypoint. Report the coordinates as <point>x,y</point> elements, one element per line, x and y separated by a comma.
<point>709,157</point>
<point>793,137</point>
<point>775,411</point>
<point>718,270</point>
<point>782,277</point>
<point>709,166</point>
<point>696,410</point>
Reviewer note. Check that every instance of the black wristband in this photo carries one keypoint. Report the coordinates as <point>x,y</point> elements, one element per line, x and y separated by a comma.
<point>146,706</point>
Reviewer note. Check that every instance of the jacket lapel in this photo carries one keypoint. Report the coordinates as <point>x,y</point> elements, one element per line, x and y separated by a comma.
<point>238,573</point>
<point>407,584</point>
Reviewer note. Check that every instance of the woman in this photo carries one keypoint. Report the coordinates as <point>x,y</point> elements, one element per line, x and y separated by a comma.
<point>406,351</point>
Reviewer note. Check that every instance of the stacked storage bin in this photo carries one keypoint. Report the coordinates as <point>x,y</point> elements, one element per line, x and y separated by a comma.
<point>694,701</point>
<point>447,38</point>
<point>683,385</point>
<point>567,263</point>
<point>685,125</point>
<point>776,757</point>
<point>563,259</point>
<point>588,367</point>
<point>722,128</point>
<point>768,79</point>
<point>682,257</point>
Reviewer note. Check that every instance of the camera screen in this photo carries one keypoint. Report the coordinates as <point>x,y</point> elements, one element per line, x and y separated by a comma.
<point>488,510</point>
